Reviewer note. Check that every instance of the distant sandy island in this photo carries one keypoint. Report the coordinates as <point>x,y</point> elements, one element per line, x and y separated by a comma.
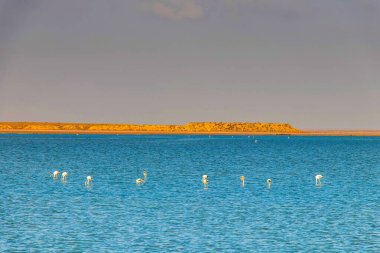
<point>192,128</point>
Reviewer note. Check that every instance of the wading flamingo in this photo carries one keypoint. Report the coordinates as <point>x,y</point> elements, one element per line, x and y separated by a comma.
<point>55,174</point>
<point>140,180</point>
<point>205,181</point>
<point>269,181</point>
<point>318,179</point>
<point>64,176</point>
<point>242,179</point>
<point>88,181</point>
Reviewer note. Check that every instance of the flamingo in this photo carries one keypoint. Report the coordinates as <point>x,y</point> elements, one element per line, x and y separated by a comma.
<point>205,180</point>
<point>55,174</point>
<point>88,181</point>
<point>269,181</point>
<point>242,179</point>
<point>318,179</point>
<point>140,180</point>
<point>64,176</point>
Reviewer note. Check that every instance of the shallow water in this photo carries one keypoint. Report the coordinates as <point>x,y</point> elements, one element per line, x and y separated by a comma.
<point>172,212</point>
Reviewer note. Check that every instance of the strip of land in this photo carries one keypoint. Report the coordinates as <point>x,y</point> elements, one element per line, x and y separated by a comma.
<point>192,128</point>
<point>341,132</point>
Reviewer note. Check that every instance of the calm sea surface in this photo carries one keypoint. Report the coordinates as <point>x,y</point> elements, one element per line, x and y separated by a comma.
<point>172,212</point>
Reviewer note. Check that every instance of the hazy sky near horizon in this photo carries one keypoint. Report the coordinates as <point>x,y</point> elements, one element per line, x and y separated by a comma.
<point>314,64</point>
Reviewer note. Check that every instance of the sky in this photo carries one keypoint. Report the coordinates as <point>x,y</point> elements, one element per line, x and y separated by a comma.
<point>314,64</point>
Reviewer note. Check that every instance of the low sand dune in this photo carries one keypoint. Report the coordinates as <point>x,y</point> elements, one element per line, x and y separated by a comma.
<point>193,127</point>
<point>220,128</point>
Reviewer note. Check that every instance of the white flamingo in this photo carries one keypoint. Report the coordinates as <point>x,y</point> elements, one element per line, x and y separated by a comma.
<point>205,180</point>
<point>269,181</point>
<point>88,181</point>
<point>140,180</point>
<point>318,179</point>
<point>242,179</point>
<point>55,174</point>
<point>64,176</point>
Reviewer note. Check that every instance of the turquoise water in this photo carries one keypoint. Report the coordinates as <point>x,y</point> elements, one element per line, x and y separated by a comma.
<point>172,212</point>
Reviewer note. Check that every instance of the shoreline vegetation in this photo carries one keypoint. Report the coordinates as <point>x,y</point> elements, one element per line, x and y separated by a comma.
<point>192,128</point>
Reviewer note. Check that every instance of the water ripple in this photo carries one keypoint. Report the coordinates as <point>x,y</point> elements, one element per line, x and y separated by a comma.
<point>172,212</point>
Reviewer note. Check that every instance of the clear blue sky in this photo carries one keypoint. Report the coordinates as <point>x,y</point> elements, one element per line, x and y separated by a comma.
<point>315,64</point>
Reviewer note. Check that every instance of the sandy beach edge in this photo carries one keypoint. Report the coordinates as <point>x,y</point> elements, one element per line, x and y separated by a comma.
<point>302,133</point>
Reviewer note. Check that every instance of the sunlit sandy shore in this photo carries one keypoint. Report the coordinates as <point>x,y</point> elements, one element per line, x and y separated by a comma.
<point>305,133</point>
<point>192,128</point>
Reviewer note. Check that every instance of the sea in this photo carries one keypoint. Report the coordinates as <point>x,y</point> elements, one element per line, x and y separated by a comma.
<point>172,211</point>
